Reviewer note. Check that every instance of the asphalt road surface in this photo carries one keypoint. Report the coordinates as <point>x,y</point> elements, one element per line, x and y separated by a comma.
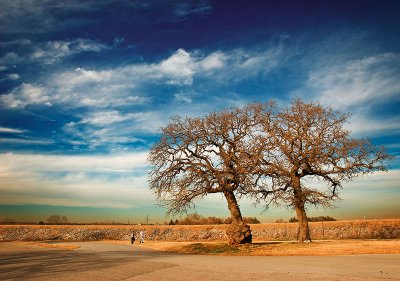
<point>107,261</point>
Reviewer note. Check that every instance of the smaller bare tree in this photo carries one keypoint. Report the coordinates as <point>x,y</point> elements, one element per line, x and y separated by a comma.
<point>310,142</point>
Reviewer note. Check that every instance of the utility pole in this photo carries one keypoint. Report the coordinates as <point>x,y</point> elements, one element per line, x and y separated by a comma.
<point>147,219</point>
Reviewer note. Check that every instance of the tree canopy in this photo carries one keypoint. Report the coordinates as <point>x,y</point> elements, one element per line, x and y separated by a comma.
<point>262,151</point>
<point>213,154</point>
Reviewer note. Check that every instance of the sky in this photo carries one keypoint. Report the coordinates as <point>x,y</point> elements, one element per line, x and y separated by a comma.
<point>85,87</point>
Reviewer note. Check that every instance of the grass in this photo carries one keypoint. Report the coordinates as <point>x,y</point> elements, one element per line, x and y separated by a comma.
<point>50,245</point>
<point>202,248</point>
<point>262,248</point>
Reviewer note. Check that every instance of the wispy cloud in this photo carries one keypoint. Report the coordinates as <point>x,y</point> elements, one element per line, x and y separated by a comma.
<point>42,16</point>
<point>121,96</point>
<point>26,94</point>
<point>26,141</point>
<point>358,85</point>
<point>54,51</point>
<point>359,81</point>
<point>190,8</point>
<point>102,181</point>
<point>10,58</point>
<point>107,117</point>
<point>11,130</point>
<point>363,124</point>
<point>63,163</point>
<point>48,52</point>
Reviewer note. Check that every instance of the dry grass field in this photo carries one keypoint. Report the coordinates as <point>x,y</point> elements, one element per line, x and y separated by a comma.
<point>335,230</point>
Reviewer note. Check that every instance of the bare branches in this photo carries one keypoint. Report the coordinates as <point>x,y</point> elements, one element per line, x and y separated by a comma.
<point>310,141</point>
<point>260,151</point>
<point>198,156</point>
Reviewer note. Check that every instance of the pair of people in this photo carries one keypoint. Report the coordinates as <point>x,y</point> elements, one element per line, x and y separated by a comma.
<point>141,237</point>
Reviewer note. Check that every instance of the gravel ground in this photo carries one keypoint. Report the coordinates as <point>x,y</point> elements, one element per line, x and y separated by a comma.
<point>123,261</point>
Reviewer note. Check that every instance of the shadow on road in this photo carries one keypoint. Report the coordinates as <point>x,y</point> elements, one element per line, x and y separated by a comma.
<point>36,263</point>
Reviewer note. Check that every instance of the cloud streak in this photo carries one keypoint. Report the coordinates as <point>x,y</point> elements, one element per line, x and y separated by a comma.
<point>103,181</point>
<point>354,82</point>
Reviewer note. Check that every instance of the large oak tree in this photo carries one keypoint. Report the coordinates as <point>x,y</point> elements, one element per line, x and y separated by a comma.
<point>309,143</point>
<point>213,154</point>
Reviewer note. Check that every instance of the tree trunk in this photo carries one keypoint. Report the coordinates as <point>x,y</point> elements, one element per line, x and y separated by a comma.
<point>303,232</point>
<point>238,232</point>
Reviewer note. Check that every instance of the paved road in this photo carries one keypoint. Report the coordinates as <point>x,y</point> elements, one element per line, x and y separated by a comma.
<point>106,261</point>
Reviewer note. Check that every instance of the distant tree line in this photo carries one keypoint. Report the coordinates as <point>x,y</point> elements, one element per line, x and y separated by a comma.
<point>310,219</point>
<point>195,219</point>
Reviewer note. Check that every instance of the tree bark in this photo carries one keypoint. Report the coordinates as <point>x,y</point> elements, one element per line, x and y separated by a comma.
<point>238,232</point>
<point>303,232</point>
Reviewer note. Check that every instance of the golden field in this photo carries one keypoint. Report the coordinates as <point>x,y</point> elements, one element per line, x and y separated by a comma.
<point>352,229</point>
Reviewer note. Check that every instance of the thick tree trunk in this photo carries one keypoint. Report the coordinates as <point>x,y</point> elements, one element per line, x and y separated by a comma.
<point>303,232</point>
<point>238,232</point>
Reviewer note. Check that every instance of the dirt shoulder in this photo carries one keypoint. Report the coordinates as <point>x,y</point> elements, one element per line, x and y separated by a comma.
<point>268,248</point>
<point>258,248</point>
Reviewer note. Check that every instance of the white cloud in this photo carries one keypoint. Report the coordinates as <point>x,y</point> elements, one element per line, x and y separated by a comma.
<point>112,95</point>
<point>193,8</point>
<point>38,163</point>
<point>11,130</point>
<point>10,58</point>
<point>107,117</point>
<point>26,94</point>
<point>82,76</point>
<point>106,181</point>
<point>48,52</point>
<point>53,51</point>
<point>365,125</point>
<point>120,86</point>
<point>213,61</point>
<point>183,97</point>
<point>356,82</point>
<point>13,76</point>
<point>118,40</point>
<point>25,141</point>
<point>11,101</point>
<point>358,85</point>
<point>15,42</point>
<point>179,68</point>
<point>108,102</point>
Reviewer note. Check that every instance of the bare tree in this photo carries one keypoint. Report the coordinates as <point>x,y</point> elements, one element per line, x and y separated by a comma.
<point>310,142</point>
<point>214,154</point>
<point>57,219</point>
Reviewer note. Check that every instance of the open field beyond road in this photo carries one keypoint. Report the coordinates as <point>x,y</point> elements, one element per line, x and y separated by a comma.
<point>119,260</point>
<point>372,229</point>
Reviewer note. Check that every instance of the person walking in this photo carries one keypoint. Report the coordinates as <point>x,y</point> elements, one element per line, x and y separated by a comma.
<point>133,236</point>
<point>141,236</point>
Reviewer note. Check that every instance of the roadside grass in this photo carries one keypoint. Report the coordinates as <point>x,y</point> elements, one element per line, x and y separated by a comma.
<point>50,245</point>
<point>291,248</point>
<point>257,248</point>
<point>203,248</point>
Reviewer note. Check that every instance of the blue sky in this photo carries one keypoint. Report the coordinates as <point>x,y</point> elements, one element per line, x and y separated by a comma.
<point>86,85</point>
